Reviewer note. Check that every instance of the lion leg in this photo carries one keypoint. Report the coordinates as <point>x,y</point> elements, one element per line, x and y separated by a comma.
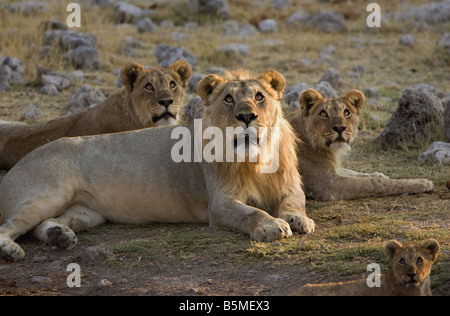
<point>345,188</point>
<point>60,231</point>
<point>252,221</point>
<point>293,211</point>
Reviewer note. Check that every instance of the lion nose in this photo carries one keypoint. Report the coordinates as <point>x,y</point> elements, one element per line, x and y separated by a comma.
<point>411,275</point>
<point>247,118</point>
<point>339,129</point>
<point>166,103</point>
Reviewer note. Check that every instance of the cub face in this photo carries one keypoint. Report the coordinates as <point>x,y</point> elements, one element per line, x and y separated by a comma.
<point>412,263</point>
<point>249,106</point>
<point>157,94</point>
<point>332,123</point>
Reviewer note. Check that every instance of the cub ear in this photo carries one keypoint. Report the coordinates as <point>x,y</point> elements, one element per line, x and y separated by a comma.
<point>207,85</point>
<point>356,98</point>
<point>183,69</point>
<point>130,73</point>
<point>276,81</point>
<point>308,99</point>
<point>391,247</point>
<point>432,246</point>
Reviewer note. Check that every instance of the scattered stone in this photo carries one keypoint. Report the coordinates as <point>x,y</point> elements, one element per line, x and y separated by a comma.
<point>132,42</point>
<point>31,113</point>
<point>167,55</point>
<point>145,26</point>
<point>233,49</point>
<point>56,79</point>
<point>327,21</point>
<point>447,121</point>
<point>417,117</point>
<point>84,57</point>
<point>438,153</point>
<point>333,77</point>
<point>292,93</point>
<point>126,12</point>
<point>66,40</point>
<point>372,92</point>
<point>193,110</point>
<point>407,40</point>
<point>443,49</point>
<point>279,4</point>
<point>218,8</point>
<point>52,25</point>
<point>193,82</point>
<point>268,26</point>
<point>50,90</point>
<point>5,87</point>
<point>436,13</point>
<point>28,8</point>
<point>11,71</point>
<point>93,255</point>
<point>85,98</point>
<point>105,283</point>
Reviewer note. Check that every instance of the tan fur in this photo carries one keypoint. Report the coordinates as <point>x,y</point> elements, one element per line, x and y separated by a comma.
<point>322,148</point>
<point>131,178</point>
<point>409,275</point>
<point>132,107</point>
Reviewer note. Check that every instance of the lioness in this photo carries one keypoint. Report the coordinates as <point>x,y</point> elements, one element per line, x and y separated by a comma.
<point>73,183</point>
<point>326,128</point>
<point>409,275</point>
<point>150,98</point>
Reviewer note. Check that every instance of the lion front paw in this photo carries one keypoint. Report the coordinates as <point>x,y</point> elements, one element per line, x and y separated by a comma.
<point>274,229</point>
<point>300,223</point>
<point>10,251</point>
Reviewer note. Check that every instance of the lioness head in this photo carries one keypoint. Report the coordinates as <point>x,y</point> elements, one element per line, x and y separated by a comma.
<point>156,93</point>
<point>331,123</point>
<point>249,105</point>
<point>411,263</point>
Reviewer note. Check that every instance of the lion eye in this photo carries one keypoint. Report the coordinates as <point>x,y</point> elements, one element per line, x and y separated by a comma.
<point>347,113</point>
<point>259,97</point>
<point>229,99</point>
<point>323,114</point>
<point>419,260</point>
<point>148,87</point>
<point>172,85</point>
<point>402,262</point>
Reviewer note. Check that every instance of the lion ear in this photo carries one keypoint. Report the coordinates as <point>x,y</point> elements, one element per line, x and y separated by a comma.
<point>308,99</point>
<point>432,246</point>
<point>356,98</point>
<point>130,73</point>
<point>207,85</point>
<point>183,69</point>
<point>276,81</point>
<point>391,247</point>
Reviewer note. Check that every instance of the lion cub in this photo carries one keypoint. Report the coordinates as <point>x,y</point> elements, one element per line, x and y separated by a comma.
<point>326,128</point>
<point>409,275</point>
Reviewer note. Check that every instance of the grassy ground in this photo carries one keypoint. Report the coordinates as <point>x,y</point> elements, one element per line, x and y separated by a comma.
<point>350,234</point>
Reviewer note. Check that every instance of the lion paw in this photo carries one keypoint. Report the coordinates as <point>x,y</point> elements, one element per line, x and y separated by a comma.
<point>10,251</point>
<point>61,237</point>
<point>300,223</point>
<point>274,229</point>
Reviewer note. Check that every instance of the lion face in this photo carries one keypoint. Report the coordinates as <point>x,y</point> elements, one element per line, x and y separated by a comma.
<point>157,93</point>
<point>332,123</point>
<point>248,106</point>
<point>411,263</point>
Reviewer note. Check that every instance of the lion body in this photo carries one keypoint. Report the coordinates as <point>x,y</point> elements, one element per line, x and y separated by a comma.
<point>125,110</point>
<point>326,128</point>
<point>130,177</point>
<point>409,275</point>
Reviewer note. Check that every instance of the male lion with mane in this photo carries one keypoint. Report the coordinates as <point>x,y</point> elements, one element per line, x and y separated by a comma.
<point>131,178</point>
<point>150,98</point>
<point>409,275</point>
<point>326,127</point>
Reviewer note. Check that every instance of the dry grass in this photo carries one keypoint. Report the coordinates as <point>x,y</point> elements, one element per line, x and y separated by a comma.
<point>350,234</point>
